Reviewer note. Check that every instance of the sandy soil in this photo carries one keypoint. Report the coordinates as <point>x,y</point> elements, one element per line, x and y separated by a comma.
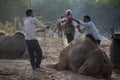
<point>21,69</point>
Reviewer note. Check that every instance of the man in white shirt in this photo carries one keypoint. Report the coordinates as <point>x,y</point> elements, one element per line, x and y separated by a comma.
<point>30,24</point>
<point>90,29</point>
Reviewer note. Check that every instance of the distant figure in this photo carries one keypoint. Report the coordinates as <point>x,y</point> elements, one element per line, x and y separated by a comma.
<point>30,24</point>
<point>59,26</point>
<point>69,27</point>
<point>90,29</point>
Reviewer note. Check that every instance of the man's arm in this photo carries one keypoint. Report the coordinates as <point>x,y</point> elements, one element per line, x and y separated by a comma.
<point>76,21</point>
<point>85,25</point>
<point>42,30</point>
<point>40,26</point>
<point>78,26</point>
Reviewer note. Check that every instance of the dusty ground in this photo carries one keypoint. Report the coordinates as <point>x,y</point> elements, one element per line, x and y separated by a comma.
<point>21,69</point>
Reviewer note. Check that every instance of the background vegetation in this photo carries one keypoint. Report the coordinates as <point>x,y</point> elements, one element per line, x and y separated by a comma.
<point>105,13</point>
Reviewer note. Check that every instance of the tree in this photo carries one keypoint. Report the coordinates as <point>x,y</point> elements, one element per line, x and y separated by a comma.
<point>12,8</point>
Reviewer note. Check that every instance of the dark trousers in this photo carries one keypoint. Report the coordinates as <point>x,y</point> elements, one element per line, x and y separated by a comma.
<point>93,39</point>
<point>70,37</point>
<point>34,47</point>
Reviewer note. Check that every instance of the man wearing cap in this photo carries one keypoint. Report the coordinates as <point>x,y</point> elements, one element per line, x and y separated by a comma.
<point>69,27</point>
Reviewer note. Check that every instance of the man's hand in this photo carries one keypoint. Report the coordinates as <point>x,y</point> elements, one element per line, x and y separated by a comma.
<point>40,30</point>
<point>47,27</point>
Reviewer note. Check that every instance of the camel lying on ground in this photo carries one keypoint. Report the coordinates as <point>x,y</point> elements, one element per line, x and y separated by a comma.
<point>12,47</point>
<point>84,58</point>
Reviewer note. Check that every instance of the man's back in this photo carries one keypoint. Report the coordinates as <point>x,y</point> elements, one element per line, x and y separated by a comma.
<point>30,28</point>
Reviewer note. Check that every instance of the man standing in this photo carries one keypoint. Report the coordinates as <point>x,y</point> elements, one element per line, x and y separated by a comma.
<point>30,24</point>
<point>69,27</point>
<point>90,29</point>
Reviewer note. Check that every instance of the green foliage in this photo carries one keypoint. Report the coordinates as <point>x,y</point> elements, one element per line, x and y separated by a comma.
<point>2,27</point>
<point>105,13</point>
<point>12,8</point>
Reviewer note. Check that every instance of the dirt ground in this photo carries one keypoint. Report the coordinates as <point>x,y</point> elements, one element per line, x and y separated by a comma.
<point>20,69</point>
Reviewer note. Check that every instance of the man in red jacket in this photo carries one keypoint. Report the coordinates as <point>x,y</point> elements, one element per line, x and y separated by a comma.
<point>69,27</point>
